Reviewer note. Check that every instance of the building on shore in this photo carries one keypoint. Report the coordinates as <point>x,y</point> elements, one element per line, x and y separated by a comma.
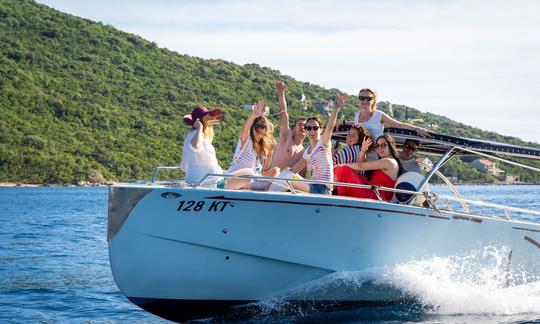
<point>488,167</point>
<point>323,106</point>
<point>249,107</point>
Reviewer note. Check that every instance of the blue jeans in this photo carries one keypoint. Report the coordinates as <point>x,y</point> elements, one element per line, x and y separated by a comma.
<point>318,188</point>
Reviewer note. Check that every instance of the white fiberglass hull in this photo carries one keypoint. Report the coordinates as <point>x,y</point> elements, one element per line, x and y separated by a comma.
<point>187,253</point>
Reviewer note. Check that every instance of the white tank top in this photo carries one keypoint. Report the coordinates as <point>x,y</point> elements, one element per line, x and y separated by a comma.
<point>373,125</point>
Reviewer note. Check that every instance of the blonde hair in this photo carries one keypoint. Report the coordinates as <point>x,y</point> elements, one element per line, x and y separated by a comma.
<point>266,144</point>
<point>208,130</point>
<point>373,106</point>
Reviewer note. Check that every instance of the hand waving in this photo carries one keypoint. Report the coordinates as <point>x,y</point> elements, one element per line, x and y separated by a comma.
<point>366,144</point>
<point>258,108</point>
<point>341,99</point>
<point>280,86</point>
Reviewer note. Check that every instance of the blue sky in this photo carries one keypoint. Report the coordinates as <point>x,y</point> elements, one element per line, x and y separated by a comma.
<point>476,62</point>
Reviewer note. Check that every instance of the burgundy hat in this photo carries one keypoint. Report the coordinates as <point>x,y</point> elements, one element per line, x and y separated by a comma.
<point>199,113</point>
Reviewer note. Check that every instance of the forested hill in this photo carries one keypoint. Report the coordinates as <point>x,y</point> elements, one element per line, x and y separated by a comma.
<point>81,100</point>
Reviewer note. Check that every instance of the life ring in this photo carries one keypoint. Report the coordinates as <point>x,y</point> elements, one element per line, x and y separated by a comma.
<point>409,181</point>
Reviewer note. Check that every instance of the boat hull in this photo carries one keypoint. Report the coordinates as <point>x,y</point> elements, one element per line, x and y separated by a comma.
<point>185,253</point>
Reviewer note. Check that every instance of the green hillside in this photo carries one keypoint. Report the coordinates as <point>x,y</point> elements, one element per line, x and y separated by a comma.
<point>80,100</point>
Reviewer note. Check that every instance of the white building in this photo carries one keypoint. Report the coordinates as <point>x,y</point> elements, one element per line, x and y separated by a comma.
<point>249,107</point>
<point>323,106</point>
<point>488,167</point>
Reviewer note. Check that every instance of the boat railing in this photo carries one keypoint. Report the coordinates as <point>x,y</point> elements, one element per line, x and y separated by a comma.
<point>159,168</point>
<point>287,181</point>
<point>431,197</point>
<point>479,203</point>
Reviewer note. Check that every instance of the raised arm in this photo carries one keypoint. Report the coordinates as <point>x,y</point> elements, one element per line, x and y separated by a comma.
<point>391,122</point>
<point>283,114</point>
<point>197,139</point>
<point>327,135</point>
<point>256,112</point>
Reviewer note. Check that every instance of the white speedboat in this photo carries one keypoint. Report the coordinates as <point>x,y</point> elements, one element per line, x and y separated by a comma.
<point>188,252</point>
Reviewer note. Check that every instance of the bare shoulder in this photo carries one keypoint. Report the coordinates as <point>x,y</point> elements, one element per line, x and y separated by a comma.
<point>390,162</point>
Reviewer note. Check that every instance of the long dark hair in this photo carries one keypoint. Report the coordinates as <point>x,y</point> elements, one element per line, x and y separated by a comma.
<point>362,133</point>
<point>393,153</point>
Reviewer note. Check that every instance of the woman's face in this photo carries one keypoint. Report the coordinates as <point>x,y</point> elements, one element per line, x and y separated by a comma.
<point>313,130</point>
<point>259,129</point>
<point>364,99</point>
<point>382,148</point>
<point>352,137</point>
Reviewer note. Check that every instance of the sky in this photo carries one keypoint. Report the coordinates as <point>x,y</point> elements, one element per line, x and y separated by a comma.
<point>476,62</point>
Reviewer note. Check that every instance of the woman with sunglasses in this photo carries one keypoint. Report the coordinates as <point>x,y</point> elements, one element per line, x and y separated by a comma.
<point>255,146</point>
<point>199,155</point>
<point>317,155</point>
<point>385,171</point>
<point>375,120</point>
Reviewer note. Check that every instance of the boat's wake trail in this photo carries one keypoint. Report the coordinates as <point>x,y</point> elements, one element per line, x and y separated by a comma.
<point>480,282</point>
<point>477,283</point>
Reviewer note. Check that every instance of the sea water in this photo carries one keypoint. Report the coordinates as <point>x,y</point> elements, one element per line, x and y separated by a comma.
<point>54,267</point>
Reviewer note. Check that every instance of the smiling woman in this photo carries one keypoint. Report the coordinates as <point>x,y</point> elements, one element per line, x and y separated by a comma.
<point>317,156</point>
<point>375,120</point>
<point>255,147</point>
<point>384,173</point>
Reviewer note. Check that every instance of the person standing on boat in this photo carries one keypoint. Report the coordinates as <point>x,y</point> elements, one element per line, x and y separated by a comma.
<point>386,170</point>
<point>375,120</point>
<point>289,149</point>
<point>317,155</point>
<point>255,146</point>
<point>407,156</point>
<point>199,155</point>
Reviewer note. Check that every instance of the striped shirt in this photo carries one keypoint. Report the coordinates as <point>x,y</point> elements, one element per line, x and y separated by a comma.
<point>319,162</point>
<point>348,154</point>
<point>245,157</point>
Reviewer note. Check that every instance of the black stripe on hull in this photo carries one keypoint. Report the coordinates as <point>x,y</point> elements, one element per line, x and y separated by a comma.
<point>182,310</point>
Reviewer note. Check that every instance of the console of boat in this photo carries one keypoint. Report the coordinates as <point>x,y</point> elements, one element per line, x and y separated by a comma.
<point>188,251</point>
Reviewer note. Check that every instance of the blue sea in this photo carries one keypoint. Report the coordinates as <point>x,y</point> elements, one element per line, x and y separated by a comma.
<point>54,267</point>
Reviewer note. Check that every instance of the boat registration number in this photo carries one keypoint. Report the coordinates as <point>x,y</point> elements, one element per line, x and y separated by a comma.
<point>201,205</point>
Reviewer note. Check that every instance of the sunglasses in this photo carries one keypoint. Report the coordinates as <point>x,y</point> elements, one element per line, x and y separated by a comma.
<point>308,128</point>
<point>410,147</point>
<point>364,98</point>
<point>259,126</point>
<point>381,145</point>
